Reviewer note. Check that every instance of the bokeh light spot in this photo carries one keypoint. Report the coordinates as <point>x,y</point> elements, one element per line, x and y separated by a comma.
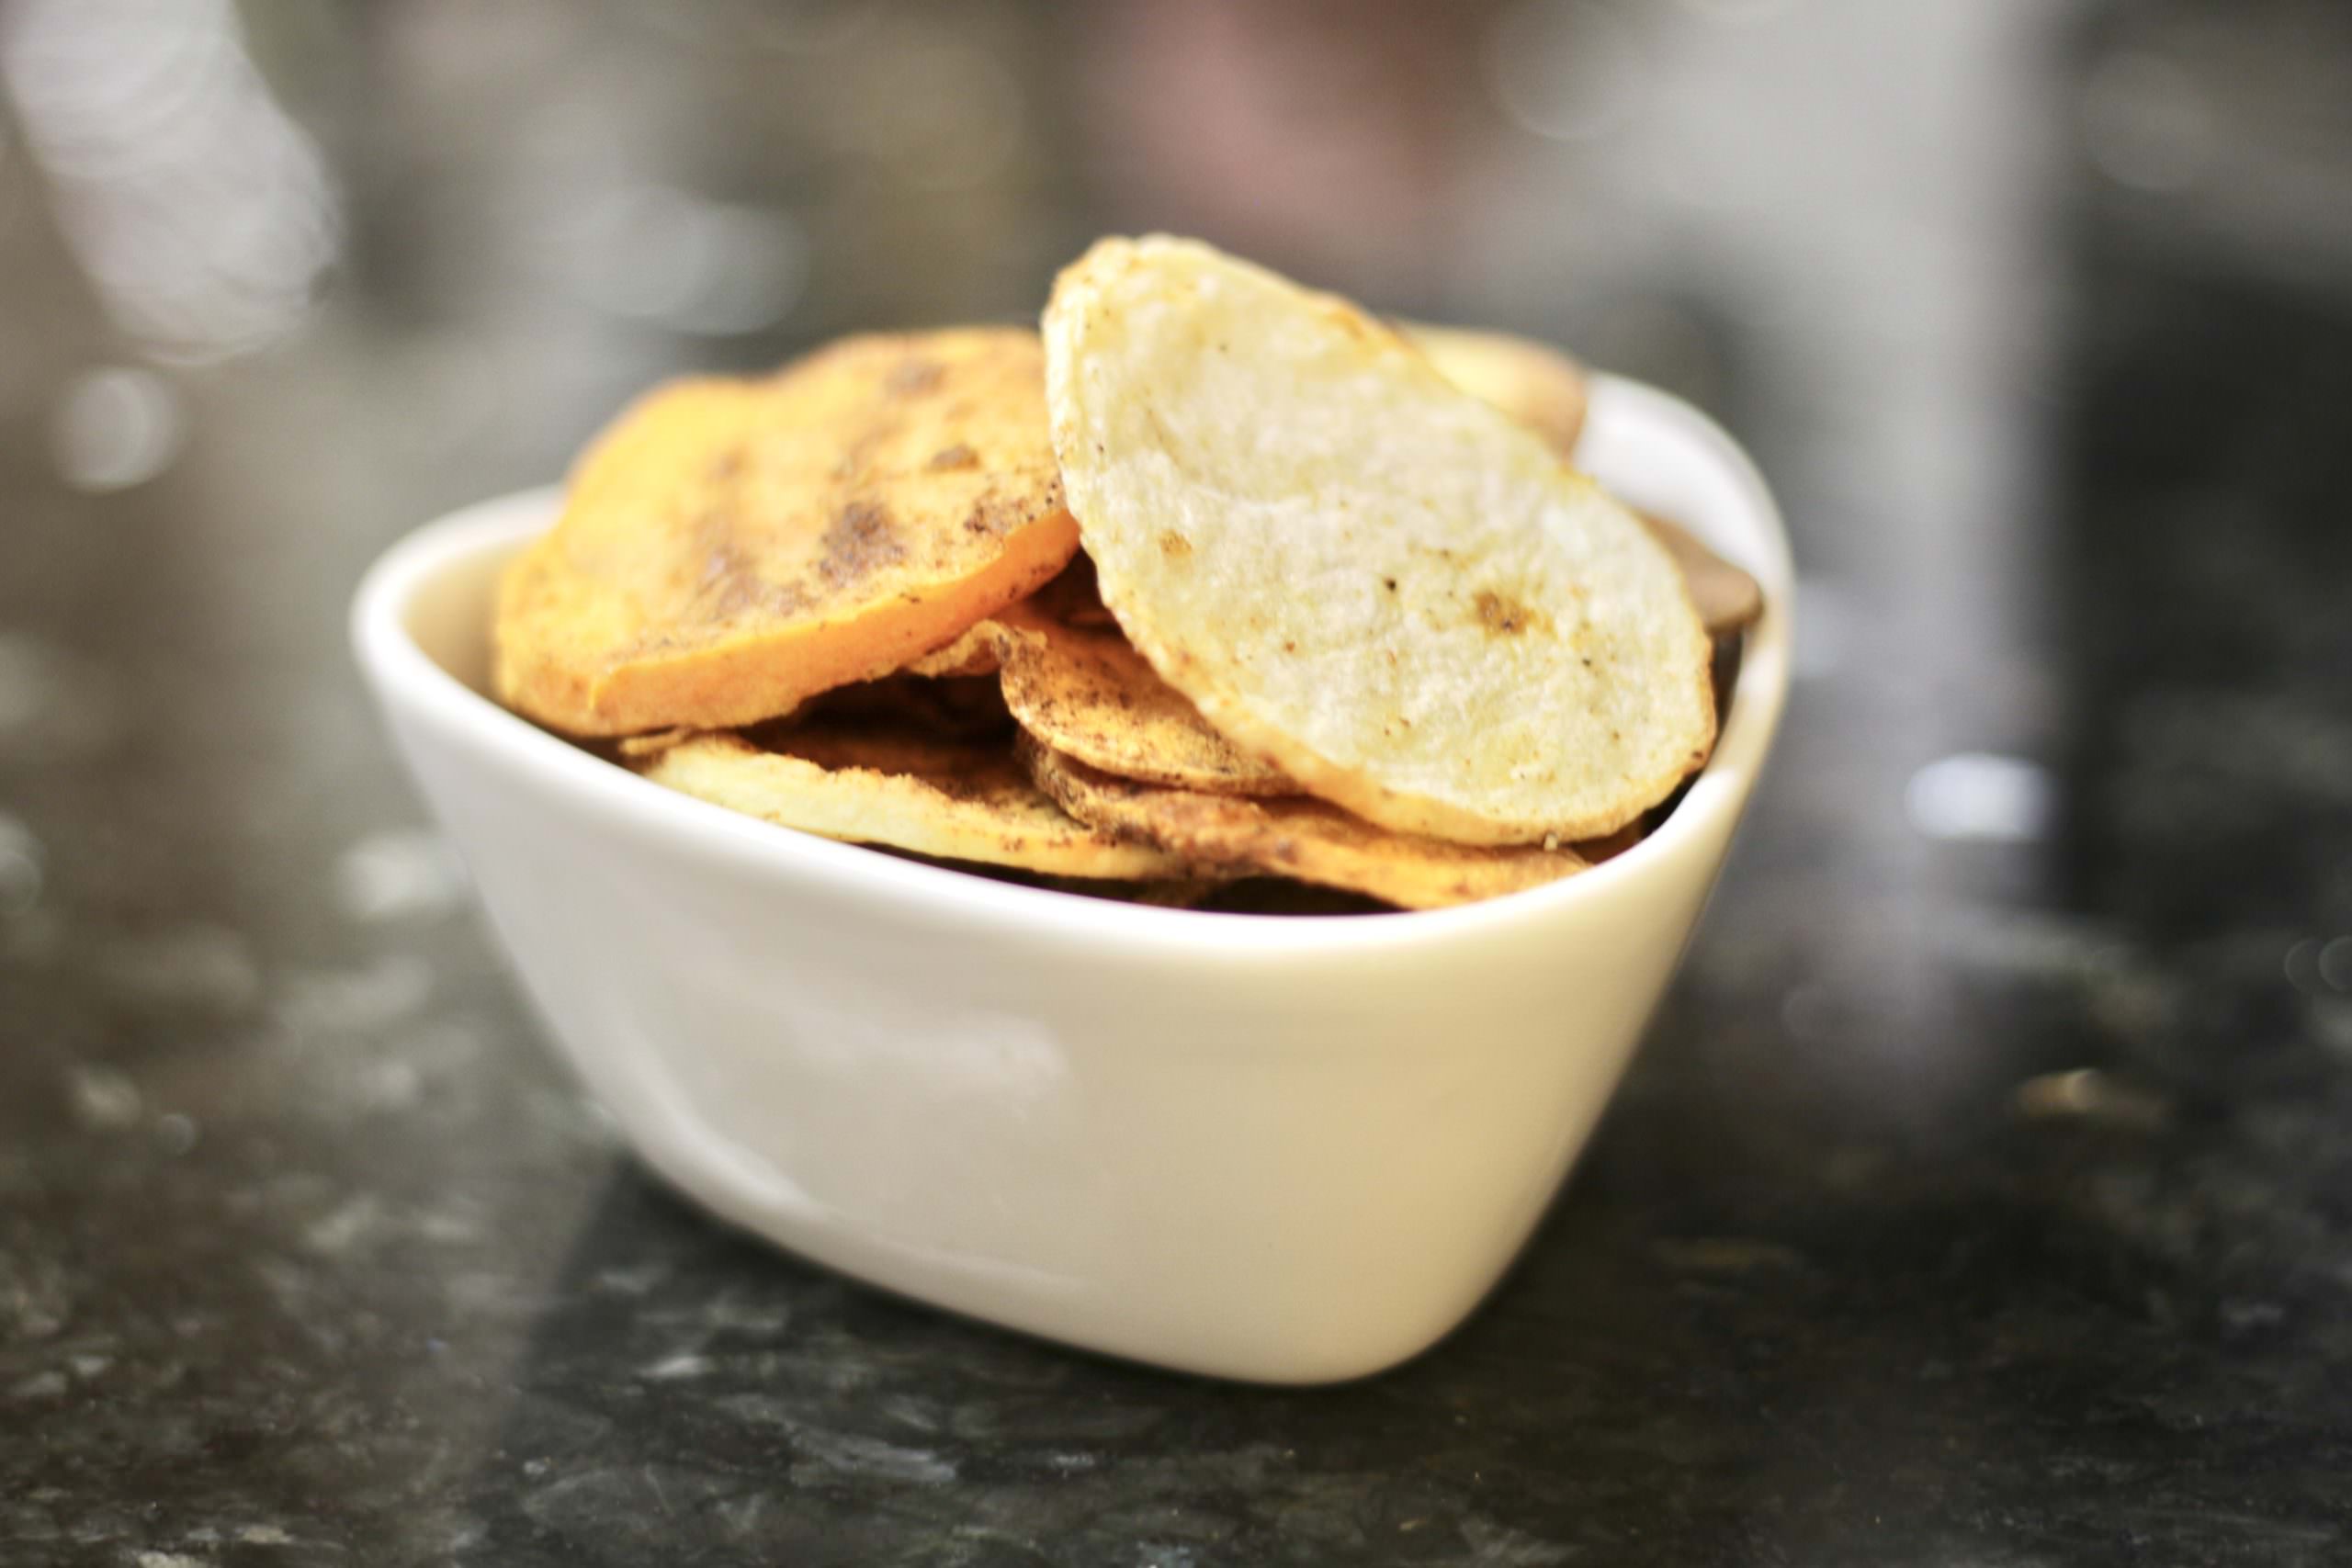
<point>116,427</point>
<point>2145,123</point>
<point>1566,69</point>
<point>1980,796</point>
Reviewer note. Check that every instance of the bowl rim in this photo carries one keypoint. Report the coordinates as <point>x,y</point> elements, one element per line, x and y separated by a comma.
<point>405,678</point>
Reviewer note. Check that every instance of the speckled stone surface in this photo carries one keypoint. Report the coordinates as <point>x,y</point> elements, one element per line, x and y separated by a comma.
<point>1983,1195</point>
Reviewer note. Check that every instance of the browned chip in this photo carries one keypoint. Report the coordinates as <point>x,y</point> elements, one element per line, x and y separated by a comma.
<point>957,799</point>
<point>1728,599</point>
<point>730,547</point>
<point>1088,693</point>
<point>1071,598</point>
<point>1293,836</point>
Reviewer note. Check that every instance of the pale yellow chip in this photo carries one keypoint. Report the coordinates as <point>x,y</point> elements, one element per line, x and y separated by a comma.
<point>956,799</point>
<point>730,547</point>
<point>1390,590</point>
<point>1544,389</point>
<point>1086,691</point>
<point>1294,836</point>
<point>1728,599</point>
<point>1536,385</point>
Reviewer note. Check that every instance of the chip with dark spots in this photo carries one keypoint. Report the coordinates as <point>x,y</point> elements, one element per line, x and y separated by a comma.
<point>1503,615</point>
<point>902,785</point>
<point>1344,503</point>
<point>1294,836</point>
<point>731,548</point>
<point>1083,690</point>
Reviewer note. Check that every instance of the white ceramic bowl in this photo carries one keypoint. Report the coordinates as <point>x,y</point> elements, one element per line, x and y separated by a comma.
<point>1289,1149</point>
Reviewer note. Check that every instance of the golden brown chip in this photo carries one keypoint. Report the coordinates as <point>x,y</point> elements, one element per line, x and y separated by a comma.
<point>1294,836</point>
<point>729,547</point>
<point>1538,386</point>
<point>1728,599</point>
<point>957,799</point>
<point>1071,598</point>
<point>1089,694</point>
<point>974,653</point>
<point>1392,591</point>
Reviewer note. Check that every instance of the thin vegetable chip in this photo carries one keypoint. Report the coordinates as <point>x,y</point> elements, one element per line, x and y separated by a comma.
<point>1087,692</point>
<point>1390,590</point>
<point>730,547</point>
<point>1294,836</point>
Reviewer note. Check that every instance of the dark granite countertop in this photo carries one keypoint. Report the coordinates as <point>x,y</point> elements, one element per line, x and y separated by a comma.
<point>1982,1194</point>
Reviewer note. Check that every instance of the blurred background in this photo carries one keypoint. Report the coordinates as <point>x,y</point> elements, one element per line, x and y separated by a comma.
<point>2037,314</point>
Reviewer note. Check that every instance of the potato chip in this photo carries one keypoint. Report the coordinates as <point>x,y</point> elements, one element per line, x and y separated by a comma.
<point>729,547</point>
<point>1728,599</point>
<point>1544,389</point>
<point>1392,591</point>
<point>957,799</point>
<point>1089,694</point>
<point>1540,387</point>
<point>1294,836</point>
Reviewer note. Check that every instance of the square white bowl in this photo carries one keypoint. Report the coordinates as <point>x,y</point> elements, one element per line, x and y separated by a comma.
<point>1286,1149</point>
